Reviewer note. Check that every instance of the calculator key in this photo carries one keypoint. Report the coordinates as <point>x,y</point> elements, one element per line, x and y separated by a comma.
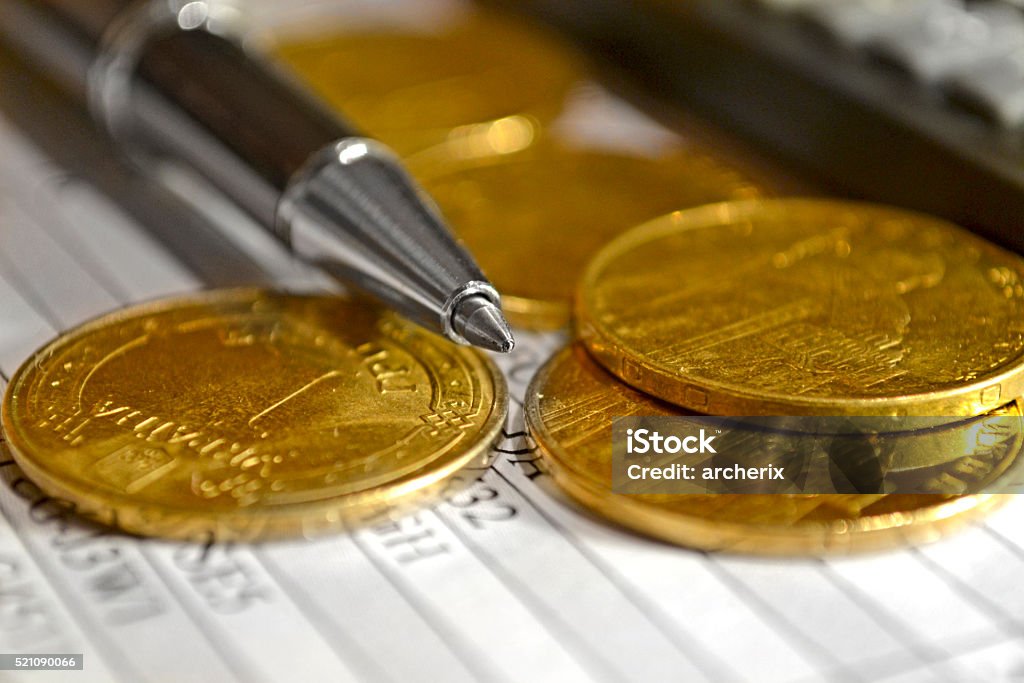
<point>861,21</point>
<point>993,88</point>
<point>950,39</point>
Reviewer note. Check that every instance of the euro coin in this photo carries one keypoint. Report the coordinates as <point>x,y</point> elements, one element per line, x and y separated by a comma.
<point>569,408</point>
<point>808,307</point>
<point>409,88</point>
<point>245,414</point>
<point>534,219</point>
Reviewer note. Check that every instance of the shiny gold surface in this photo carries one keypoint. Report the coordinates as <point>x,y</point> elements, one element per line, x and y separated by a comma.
<point>534,219</point>
<point>818,307</point>
<point>246,414</point>
<point>410,88</point>
<point>569,410</point>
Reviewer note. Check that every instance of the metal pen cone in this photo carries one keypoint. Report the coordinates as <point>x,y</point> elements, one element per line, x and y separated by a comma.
<point>355,212</point>
<point>481,324</point>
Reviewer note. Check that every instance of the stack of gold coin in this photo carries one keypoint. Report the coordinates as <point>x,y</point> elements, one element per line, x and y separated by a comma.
<point>790,307</point>
<point>245,414</point>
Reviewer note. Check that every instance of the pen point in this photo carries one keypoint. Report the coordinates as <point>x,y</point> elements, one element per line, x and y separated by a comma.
<point>480,322</point>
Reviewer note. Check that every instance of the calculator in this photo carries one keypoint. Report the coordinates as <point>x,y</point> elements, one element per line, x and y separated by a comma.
<point>918,103</point>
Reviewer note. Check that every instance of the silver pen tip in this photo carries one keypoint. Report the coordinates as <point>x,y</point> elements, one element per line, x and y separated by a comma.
<point>481,323</point>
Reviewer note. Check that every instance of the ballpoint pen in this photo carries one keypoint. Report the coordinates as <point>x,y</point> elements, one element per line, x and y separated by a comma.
<point>172,79</point>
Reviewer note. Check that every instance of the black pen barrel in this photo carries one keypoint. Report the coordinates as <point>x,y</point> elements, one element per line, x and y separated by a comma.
<point>194,95</point>
<point>240,100</point>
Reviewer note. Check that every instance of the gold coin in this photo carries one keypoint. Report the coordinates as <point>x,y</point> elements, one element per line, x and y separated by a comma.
<point>569,409</point>
<point>246,414</point>
<point>817,307</point>
<point>409,89</point>
<point>534,219</point>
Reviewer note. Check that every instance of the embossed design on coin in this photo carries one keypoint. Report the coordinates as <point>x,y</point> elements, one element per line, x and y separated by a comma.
<point>535,218</point>
<point>808,307</point>
<point>569,410</point>
<point>247,414</point>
